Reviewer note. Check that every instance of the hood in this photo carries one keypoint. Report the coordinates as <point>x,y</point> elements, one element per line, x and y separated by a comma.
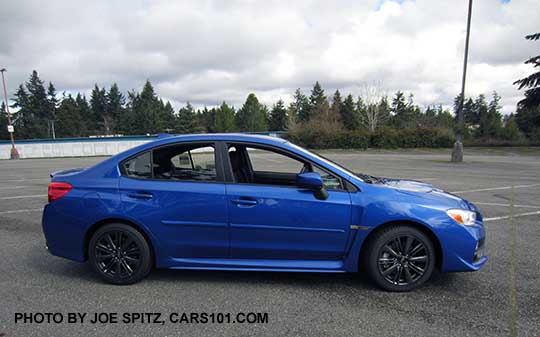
<point>409,185</point>
<point>420,189</point>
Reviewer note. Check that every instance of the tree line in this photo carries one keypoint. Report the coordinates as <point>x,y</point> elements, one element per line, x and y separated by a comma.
<point>40,112</point>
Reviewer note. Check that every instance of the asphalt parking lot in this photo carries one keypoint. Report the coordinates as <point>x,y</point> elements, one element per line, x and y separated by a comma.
<point>501,299</point>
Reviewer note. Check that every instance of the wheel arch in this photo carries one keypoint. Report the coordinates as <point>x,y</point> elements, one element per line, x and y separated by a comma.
<point>422,227</point>
<point>93,228</point>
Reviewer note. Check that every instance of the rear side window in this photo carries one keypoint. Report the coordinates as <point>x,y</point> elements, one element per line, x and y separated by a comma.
<point>185,162</point>
<point>138,167</point>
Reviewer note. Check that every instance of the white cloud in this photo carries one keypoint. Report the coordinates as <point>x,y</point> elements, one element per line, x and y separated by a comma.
<point>209,51</point>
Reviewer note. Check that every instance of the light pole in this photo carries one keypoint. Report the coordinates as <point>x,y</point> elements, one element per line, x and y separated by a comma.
<point>457,152</point>
<point>14,152</point>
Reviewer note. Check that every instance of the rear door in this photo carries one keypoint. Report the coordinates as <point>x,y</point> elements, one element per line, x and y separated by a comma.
<point>178,193</point>
<point>271,218</point>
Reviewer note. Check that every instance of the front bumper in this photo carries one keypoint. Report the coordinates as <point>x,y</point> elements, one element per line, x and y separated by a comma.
<point>464,248</point>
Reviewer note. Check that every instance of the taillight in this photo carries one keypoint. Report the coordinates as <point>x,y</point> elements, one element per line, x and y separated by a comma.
<point>57,190</point>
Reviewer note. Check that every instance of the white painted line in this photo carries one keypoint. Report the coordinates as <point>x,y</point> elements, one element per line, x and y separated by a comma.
<point>30,196</point>
<point>23,179</point>
<point>12,187</point>
<point>511,216</point>
<point>506,205</point>
<point>22,211</point>
<point>496,188</point>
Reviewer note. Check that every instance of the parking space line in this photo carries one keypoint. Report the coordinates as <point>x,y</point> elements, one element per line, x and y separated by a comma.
<point>27,196</point>
<point>511,216</point>
<point>22,211</point>
<point>506,205</point>
<point>496,188</point>
<point>23,179</point>
<point>12,187</point>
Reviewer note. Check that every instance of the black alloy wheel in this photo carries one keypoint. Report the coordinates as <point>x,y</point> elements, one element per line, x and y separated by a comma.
<point>119,254</point>
<point>400,258</point>
<point>403,260</point>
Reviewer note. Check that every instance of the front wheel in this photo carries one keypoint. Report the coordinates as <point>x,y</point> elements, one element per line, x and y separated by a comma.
<point>119,254</point>
<point>400,258</point>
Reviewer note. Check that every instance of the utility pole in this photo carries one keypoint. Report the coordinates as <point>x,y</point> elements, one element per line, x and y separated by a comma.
<point>14,152</point>
<point>457,152</point>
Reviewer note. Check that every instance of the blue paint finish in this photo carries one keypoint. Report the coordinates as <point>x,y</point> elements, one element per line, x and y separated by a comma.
<point>230,226</point>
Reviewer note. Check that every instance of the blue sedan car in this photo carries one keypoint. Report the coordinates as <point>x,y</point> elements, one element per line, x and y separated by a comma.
<point>244,202</point>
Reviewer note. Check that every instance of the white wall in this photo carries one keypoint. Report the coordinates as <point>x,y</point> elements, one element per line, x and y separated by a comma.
<point>75,148</point>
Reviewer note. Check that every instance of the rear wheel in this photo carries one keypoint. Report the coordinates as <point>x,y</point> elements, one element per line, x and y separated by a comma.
<point>119,254</point>
<point>400,258</point>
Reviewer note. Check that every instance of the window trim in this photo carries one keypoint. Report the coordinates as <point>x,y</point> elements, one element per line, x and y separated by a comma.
<point>230,177</point>
<point>219,168</point>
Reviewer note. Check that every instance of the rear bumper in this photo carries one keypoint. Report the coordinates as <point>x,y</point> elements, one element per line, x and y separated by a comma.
<point>62,236</point>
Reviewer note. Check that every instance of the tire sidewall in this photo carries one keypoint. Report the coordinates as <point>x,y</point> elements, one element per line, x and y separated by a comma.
<point>146,256</point>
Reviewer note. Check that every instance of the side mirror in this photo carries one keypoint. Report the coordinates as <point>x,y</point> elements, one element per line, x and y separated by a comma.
<point>313,182</point>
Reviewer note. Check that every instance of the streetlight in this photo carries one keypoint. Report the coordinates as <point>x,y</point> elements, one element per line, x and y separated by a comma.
<point>14,152</point>
<point>457,152</point>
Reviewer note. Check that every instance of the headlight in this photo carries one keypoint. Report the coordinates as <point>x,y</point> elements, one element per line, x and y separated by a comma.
<point>462,216</point>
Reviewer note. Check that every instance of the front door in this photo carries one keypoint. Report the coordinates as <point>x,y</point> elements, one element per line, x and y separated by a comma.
<point>271,218</point>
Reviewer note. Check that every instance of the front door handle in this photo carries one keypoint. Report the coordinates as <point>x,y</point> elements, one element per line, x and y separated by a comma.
<point>140,195</point>
<point>245,202</point>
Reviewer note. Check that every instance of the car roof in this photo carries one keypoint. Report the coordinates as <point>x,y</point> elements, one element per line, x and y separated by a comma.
<point>242,137</point>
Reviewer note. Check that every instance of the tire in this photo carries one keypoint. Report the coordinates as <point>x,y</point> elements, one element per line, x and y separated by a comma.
<point>400,258</point>
<point>119,254</point>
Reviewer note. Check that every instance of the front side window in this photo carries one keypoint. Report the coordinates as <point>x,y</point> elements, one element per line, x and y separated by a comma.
<point>269,161</point>
<point>330,181</point>
<point>264,166</point>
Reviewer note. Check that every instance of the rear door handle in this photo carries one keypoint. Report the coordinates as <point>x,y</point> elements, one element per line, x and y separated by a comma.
<point>140,195</point>
<point>245,202</point>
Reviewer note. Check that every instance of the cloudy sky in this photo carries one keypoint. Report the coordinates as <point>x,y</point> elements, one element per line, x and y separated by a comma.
<point>208,51</point>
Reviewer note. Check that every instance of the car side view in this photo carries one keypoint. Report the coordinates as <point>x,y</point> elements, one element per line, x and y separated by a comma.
<point>246,202</point>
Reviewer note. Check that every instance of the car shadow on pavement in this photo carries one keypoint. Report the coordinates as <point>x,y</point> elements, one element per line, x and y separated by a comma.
<point>54,266</point>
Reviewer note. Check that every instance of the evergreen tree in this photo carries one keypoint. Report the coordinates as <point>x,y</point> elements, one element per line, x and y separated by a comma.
<point>38,106</point>
<point>101,123</point>
<point>185,119</point>
<point>334,112</point>
<point>24,116</point>
<point>85,113</point>
<point>300,107</point>
<point>528,110</point>
<point>278,117</point>
<point>510,130</point>
<point>470,113</point>
<point>531,82</point>
<point>403,111</point>
<point>224,119</point>
<point>252,115</point>
<point>490,116</point>
<point>169,117</point>
<point>318,103</point>
<point>114,108</point>
<point>33,109</point>
<point>147,111</point>
<point>4,134</point>
<point>68,118</point>
<point>53,105</point>
<point>349,112</point>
